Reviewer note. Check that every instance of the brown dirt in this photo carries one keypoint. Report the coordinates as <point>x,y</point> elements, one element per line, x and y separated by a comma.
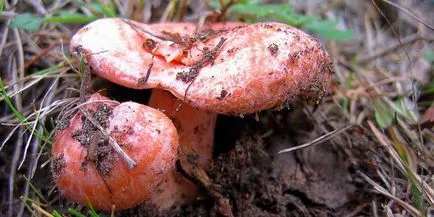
<point>99,150</point>
<point>58,163</point>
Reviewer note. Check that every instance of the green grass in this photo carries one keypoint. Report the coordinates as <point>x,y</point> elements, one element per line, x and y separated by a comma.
<point>2,6</point>
<point>75,213</point>
<point>31,22</point>
<point>254,11</point>
<point>19,116</point>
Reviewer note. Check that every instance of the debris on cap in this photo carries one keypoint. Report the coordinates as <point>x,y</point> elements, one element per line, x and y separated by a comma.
<point>87,170</point>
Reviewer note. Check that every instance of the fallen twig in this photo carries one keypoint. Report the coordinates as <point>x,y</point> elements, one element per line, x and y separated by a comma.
<point>320,139</point>
<point>124,156</point>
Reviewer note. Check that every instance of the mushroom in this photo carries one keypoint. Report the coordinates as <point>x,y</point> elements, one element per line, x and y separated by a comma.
<point>228,68</point>
<point>86,169</point>
<point>235,70</point>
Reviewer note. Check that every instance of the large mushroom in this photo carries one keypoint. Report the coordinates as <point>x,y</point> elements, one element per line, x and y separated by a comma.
<point>228,68</point>
<point>234,70</point>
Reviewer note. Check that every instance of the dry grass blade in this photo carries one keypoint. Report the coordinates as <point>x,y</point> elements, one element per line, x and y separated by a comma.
<point>413,88</point>
<point>410,14</point>
<point>27,86</point>
<point>13,172</point>
<point>46,100</point>
<point>320,139</point>
<point>43,113</point>
<point>133,25</point>
<point>29,140</point>
<point>381,138</point>
<point>127,159</point>
<point>383,191</point>
<point>4,37</point>
<point>41,211</point>
<point>390,48</point>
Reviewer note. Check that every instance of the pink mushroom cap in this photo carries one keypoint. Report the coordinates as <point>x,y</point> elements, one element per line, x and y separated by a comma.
<point>254,67</point>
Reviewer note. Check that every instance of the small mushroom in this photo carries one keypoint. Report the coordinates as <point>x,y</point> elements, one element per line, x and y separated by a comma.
<point>228,68</point>
<point>86,169</point>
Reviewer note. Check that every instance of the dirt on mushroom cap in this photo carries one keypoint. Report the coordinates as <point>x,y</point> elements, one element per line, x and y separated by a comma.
<point>252,76</point>
<point>145,134</point>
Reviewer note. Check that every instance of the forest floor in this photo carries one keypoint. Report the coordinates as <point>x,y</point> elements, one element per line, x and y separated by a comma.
<point>366,150</point>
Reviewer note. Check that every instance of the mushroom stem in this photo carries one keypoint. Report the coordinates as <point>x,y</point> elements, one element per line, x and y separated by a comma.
<point>196,135</point>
